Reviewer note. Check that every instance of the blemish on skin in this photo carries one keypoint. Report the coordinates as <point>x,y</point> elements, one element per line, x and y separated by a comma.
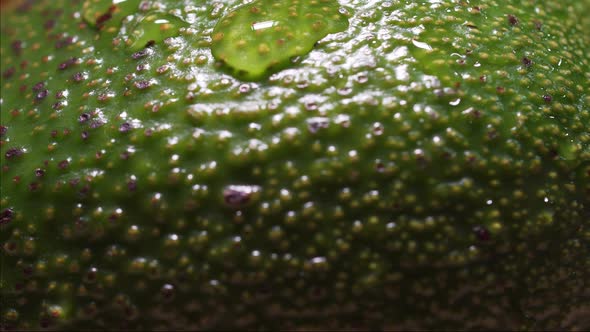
<point>237,196</point>
<point>527,62</point>
<point>9,72</point>
<point>512,20</point>
<point>482,233</point>
<point>66,64</point>
<point>13,153</point>
<point>63,164</point>
<point>547,98</point>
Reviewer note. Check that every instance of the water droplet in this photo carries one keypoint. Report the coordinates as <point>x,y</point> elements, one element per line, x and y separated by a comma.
<point>154,28</point>
<point>100,13</point>
<point>262,37</point>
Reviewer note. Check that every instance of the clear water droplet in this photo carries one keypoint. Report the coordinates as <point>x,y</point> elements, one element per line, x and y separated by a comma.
<point>154,28</point>
<point>261,37</point>
<point>99,13</point>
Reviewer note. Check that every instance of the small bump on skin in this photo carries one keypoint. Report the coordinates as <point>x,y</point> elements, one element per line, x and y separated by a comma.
<point>68,63</point>
<point>512,20</point>
<point>6,216</point>
<point>13,153</point>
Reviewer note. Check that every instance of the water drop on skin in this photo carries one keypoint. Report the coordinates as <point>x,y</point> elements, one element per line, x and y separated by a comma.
<point>154,28</point>
<point>262,37</point>
<point>105,13</point>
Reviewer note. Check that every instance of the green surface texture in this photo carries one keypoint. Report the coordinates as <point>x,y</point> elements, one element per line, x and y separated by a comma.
<point>419,165</point>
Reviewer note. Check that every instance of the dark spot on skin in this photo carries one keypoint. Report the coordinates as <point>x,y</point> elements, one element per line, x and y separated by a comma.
<point>84,117</point>
<point>41,95</point>
<point>237,196</point>
<point>344,91</point>
<point>9,72</point>
<point>96,124</point>
<point>64,42</point>
<point>77,77</point>
<point>527,62</point>
<point>482,233</point>
<point>25,6</point>
<point>379,167</point>
<point>13,153</point>
<point>28,271</point>
<point>17,47</point>
<point>167,291</point>
<point>125,155</point>
<point>311,106</point>
<point>64,65</point>
<point>162,69</point>
<point>125,127</point>
<point>57,106</point>
<point>91,274</point>
<point>100,21</point>
<point>547,98</point>
<point>49,24</point>
<point>132,185</point>
<point>6,216</point>
<point>512,20</point>
<point>38,86</point>
<point>63,164</point>
<point>317,123</point>
<point>144,6</point>
<point>139,54</point>
<point>33,186</point>
<point>142,84</point>
<point>3,130</point>
<point>244,88</point>
<point>39,172</point>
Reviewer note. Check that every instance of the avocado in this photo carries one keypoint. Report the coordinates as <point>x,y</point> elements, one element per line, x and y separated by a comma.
<point>295,164</point>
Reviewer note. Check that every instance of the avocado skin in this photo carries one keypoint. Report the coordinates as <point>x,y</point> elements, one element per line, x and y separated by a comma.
<point>428,168</point>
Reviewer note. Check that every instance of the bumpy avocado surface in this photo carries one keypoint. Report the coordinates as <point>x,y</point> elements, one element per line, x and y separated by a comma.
<point>426,166</point>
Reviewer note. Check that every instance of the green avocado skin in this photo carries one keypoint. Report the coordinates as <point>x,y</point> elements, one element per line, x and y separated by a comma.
<point>428,167</point>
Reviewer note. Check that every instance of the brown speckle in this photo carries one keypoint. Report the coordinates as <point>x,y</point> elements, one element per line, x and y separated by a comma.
<point>6,216</point>
<point>547,98</point>
<point>64,65</point>
<point>17,47</point>
<point>512,20</point>
<point>63,164</point>
<point>527,62</point>
<point>142,84</point>
<point>9,72</point>
<point>13,153</point>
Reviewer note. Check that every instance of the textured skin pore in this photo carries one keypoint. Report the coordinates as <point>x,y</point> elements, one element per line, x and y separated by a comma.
<point>428,167</point>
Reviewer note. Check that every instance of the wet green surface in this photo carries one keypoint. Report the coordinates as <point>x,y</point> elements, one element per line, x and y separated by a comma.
<point>262,37</point>
<point>426,166</point>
